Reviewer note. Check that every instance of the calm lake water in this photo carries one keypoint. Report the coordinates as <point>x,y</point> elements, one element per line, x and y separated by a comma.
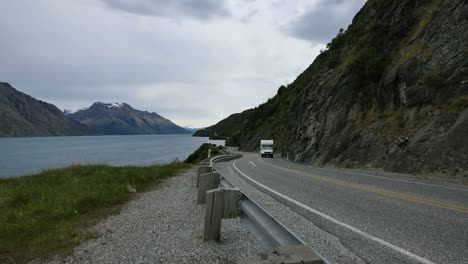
<point>19,156</point>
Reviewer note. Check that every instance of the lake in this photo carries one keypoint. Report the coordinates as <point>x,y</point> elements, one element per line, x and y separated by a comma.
<point>19,156</point>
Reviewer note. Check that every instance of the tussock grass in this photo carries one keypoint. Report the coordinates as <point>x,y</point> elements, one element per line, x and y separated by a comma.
<point>428,17</point>
<point>413,45</point>
<point>47,213</point>
<point>411,51</point>
<point>457,105</point>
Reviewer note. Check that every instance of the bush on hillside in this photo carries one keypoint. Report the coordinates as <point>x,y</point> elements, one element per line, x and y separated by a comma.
<point>202,153</point>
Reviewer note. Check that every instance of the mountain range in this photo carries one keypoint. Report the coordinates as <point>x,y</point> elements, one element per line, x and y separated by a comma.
<point>122,119</point>
<point>24,116</point>
<point>390,91</point>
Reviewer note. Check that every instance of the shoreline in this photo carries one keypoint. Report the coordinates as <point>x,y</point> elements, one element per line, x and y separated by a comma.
<point>25,156</point>
<point>49,212</point>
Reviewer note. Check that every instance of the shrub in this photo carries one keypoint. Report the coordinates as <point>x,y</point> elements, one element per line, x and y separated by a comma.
<point>202,153</point>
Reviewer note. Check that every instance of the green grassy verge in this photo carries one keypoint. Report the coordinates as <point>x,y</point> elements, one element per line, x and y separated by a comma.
<point>48,213</point>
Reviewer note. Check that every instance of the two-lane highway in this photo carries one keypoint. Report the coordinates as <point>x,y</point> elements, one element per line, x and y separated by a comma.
<point>380,219</point>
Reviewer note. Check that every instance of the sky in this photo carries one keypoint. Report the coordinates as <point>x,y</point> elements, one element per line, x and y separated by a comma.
<point>192,61</point>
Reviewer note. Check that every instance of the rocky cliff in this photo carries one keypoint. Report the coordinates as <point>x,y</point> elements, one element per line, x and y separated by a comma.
<point>122,119</point>
<point>389,92</point>
<point>23,116</point>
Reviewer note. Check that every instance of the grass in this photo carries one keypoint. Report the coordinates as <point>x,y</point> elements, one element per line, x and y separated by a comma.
<point>392,126</point>
<point>411,51</point>
<point>49,212</point>
<point>434,79</point>
<point>427,18</point>
<point>417,47</point>
<point>457,105</point>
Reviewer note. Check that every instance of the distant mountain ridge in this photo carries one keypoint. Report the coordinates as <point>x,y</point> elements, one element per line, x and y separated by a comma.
<point>121,119</point>
<point>192,129</point>
<point>23,116</point>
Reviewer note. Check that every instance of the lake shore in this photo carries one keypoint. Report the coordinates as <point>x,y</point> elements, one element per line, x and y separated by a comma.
<point>50,212</point>
<point>23,156</point>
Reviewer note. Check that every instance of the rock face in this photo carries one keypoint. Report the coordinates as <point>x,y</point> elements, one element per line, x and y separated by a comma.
<point>122,119</point>
<point>389,92</point>
<point>23,116</point>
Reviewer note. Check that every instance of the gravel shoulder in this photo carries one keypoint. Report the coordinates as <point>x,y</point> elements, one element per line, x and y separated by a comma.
<point>164,226</point>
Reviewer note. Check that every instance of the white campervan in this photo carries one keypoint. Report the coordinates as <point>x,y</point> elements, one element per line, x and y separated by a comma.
<point>266,148</point>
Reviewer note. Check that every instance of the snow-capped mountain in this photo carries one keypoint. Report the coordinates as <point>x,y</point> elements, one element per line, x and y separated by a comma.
<point>121,119</point>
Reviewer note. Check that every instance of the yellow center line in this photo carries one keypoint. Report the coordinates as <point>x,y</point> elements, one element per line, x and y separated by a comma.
<point>457,208</point>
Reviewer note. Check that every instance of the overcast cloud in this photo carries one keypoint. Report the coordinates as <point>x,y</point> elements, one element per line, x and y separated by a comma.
<point>192,61</point>
<point>322,21</point>
<point>201,9</point>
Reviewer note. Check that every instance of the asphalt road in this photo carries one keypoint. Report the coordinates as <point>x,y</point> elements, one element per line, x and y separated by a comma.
<point>380,219</point>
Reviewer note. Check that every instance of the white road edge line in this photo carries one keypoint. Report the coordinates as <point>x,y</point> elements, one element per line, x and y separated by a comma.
<point>329,218</point>
<point>390,179</point>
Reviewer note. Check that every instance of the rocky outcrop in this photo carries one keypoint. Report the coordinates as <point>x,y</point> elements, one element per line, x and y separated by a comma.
<point>389,92</point>
<point>122,119</point>
<point>23,116</point>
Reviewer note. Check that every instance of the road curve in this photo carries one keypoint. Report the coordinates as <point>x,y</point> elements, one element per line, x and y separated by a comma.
<point>380,219</point>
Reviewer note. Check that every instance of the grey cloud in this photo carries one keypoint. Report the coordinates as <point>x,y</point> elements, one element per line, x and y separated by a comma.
<point>321,23</point>
<point>194,73</point>
<point>200,9</point>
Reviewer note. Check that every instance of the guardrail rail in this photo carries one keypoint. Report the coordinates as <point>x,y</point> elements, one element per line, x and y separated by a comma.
<point>276,240</point>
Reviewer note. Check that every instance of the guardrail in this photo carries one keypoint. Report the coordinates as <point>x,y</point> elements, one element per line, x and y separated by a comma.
<point>272,236</point>
<point>224,158</point>
<point>269,232</point>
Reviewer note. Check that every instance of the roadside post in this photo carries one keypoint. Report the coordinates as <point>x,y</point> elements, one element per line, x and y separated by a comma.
<point>203,170</point>
<point>213,214</point>
<point>220,203</point>
<point>231,202</point>
<point>207,181</point>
